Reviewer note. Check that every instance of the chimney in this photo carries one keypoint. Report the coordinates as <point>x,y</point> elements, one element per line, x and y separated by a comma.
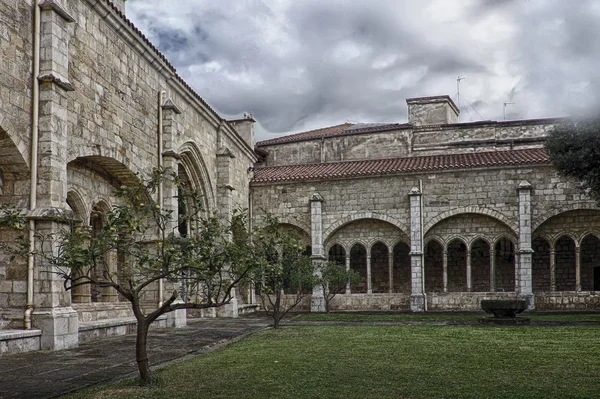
<point>245,128</point>
<point>437,110</point>
<point>120,5</point>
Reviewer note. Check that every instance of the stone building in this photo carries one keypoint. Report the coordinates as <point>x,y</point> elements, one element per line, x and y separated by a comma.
<point>434,214</point>
<point>86,103</point>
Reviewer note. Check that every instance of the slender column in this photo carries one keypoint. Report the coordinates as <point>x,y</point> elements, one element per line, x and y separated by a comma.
<point>317,300</point>
<point>469,277</point>
<point>578,268</point>
<point>369,282</point>
<point>523,283</point>
<point>445,270</point>
<point>391,270</point>
<point>348,291</point>
<point>552,268</point>
<point>493,270</point>
<point>417,295</point>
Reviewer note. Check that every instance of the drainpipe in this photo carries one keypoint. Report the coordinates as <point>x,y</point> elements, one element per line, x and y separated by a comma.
<point>160,184</point>
<point>422,247</point>
<point>35,112</point>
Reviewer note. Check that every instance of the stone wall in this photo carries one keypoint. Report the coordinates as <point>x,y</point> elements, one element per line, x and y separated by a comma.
<point>411,141</point>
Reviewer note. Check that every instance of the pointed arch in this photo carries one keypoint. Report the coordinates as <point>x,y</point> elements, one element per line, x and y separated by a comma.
<point>196,170</point>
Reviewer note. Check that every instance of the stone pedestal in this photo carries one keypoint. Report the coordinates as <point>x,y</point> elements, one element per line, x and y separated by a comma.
<point>177,318</point>
<point>60,327</point>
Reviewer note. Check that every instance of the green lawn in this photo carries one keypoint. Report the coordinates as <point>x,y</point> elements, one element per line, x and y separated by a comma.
<point>442,316</point>
<point>388,362</point>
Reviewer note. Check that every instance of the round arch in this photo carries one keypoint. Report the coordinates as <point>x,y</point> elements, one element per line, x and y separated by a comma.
<point>567,207</point>
<point>471,209</point>
<point>359,216</point>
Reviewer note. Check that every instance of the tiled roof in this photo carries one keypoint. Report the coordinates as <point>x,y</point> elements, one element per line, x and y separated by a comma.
<point>336,170</point>
<point>337,130</point>
<point>311,134</point>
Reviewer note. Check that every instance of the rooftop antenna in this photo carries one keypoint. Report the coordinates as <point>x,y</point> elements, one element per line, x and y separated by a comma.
<point>505,104</point>
<point>458,79</point>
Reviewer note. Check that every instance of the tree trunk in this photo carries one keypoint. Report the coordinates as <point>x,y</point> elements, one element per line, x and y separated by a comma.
<point>141,354</point>
<point>276,319</point>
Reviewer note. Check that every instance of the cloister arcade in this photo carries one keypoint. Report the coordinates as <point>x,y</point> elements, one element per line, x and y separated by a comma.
<point>482,258</point>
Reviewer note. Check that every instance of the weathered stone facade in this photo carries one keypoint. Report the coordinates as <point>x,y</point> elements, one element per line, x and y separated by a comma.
<point>436,214</point>
<point>97,104</point>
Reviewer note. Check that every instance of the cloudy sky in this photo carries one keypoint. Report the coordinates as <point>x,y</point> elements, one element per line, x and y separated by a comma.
<point>303,64</point>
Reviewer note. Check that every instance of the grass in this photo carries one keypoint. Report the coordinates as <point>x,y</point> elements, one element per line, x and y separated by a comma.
<point>442,316</point>
<point>387,362</point>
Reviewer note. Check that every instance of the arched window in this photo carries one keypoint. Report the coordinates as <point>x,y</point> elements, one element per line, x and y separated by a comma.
<point>401,274</point>
<point>358,262</point>
<point>590,263</point>
<point>505,265</point>
<point>380,268</point>
<point>480,266</point>
<point>565,264</point>
<point>541,265</point>
<point>434,267</point>
<point>337,254</point>
<point>457,266</point>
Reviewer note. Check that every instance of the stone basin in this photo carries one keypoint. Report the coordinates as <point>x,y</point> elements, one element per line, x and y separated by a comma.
<point>504,308</point>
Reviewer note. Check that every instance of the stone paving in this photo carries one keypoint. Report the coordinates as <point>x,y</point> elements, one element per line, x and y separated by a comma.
<point>45,374</point>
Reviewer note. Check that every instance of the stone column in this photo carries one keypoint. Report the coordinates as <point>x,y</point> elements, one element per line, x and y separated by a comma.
<point>53,313</point>
<point>552,269</point>
<point>577,268</point>
<point>469,273</point>
<point>369,277</point>
<point>170,162</point>
<point>493,270</point>
<point>225,207</point>
<point>445,270</point>
<point>348,290</point>
<point>391,270</point>
<point>317,300</point>
<point>417,295</point>
<point>523,284</point>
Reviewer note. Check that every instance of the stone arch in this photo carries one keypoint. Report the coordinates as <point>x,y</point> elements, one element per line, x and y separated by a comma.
<point>478,237</point>
<point>471,209</point>
<point>564,207</point>
<point>79,206</point>
<point>495,241</point>
<point>296,223</point>
<point>557,237</point>
<point>587,233</point>
<point>195,167</point>
<point>362,215</point>
<point>11,158</point>
<point>302,234</point>
<point>337,253</point>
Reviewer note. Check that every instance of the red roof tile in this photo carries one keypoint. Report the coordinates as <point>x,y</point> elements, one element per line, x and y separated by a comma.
<point>311,134</point>
<point>336,170</point>
<point>337,130</point>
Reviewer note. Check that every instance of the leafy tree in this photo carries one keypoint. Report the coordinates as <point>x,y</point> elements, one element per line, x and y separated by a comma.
<point>574,148</point>
<point>333,280</point>
<point>206,264</point>
<point>284,274</point>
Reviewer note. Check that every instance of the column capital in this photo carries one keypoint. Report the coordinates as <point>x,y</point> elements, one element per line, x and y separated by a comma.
<point>169,105</point>
<point>415,191</point>
<point>316,197</point>
<point>54,5</point>
<point>524,185</point>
